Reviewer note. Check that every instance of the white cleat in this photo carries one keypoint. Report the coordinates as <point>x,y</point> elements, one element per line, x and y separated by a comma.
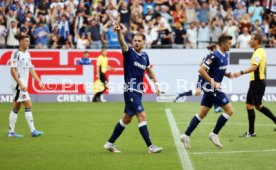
<point>111,147</point>
<point>215,139</point>
<point>154,149</point>
<point>185,140</point>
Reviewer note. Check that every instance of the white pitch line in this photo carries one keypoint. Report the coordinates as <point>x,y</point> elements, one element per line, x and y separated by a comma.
<point>182,153</point>
<point>232,152</point>
<point>241,124</point>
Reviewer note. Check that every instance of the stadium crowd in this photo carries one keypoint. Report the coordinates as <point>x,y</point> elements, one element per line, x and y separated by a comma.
<point>88,24</point>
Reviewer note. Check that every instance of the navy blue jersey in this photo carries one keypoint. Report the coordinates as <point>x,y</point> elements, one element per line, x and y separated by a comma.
<point>216,63</point>
<point>134,68</point>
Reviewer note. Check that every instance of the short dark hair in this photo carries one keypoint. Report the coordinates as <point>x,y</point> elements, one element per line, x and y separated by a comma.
<point>223,38</point>
<point>21,37</point>
<point>258,37</point>
<point>141,35</point>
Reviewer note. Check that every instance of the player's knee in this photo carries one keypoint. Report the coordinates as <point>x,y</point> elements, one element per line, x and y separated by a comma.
<point>142,117</point>
<point>249,107</point>
<point>126,119</point>
<point>230,112</point>
<point>258,107</point>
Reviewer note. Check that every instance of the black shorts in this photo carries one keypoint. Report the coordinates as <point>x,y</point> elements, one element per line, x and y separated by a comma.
<point>103,78</point>
<point>256,92</point>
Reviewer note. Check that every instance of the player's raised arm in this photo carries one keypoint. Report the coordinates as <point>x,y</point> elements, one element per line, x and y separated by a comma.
<point>121,39</point>
<point>154,79</point>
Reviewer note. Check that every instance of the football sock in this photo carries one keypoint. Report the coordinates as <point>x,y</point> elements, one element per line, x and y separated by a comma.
<point>193,124</point>
<point>12,120</point>
<point>29,118</point>
<point>188,93</point>
<point>221,122</point>
<point>268,113</point>
<point>119,128</point>
<point>144,132</point>
<point>251,120</point>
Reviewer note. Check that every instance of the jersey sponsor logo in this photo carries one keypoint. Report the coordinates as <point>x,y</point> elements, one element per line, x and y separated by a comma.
<point>23,96</point>
<point>141,66</point>
<point>222,67</point>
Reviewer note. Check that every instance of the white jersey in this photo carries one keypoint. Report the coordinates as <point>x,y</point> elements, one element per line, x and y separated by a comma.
<point>22,62</point>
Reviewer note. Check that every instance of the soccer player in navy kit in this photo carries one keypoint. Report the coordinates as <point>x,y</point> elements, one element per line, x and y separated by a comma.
<point>213,70</point>
<point>136,62</point>
<point>197,91</point>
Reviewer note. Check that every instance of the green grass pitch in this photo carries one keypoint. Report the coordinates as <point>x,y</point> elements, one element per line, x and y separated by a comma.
<point>76,132</point>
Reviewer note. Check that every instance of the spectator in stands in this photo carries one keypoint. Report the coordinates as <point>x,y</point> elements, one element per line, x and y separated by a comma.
<point>28,6</point>
<point>256,26</point>
<point>41,33</point>
<point>232,30</point>
<point>13,33</point>
<point>85,59</point>
<point>255,11</point>
<point>149,15</point>
<point>220,12</point>
<point>239,11</point>
<point>43,7</point>
<point>80,21</point>
<point>204,13</point>
<point>3,33</point>
<point>148,4</point>
<point>164,13</point>
<point>178,15</point>
<point>152,30</point>
<point>82,40</point>
<point>228,13</point>
<point>10,17</point>
<point>243,39</point>
<point>245,23</point>
<point>124,11</point>
<point>213,4</point>
<point>203,35</point>
<point>94,35</point>
<point>63,29</point>
<point>190,13</point>
<point>165,36</point>
<point>69,44</point>
<point>111,36</point>
<point>216,29</point>
<point>179,36</point>
<point>192,36</point>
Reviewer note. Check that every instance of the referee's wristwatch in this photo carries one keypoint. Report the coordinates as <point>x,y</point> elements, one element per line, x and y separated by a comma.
<point>241,72</point>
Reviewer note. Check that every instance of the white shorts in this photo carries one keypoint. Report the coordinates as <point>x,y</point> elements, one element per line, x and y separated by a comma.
<point>20,96</point>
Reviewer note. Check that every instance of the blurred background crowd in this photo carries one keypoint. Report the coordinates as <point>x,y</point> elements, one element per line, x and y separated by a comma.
<point>88,24</point>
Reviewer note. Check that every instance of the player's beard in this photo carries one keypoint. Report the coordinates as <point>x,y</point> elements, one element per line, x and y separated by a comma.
<point>137,48</point>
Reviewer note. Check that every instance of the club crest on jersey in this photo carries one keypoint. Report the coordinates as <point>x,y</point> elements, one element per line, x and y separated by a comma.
<point>256,59</point>
<point>209,61</point>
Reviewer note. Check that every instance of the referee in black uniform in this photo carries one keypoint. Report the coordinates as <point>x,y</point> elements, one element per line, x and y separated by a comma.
<point>257,85</point>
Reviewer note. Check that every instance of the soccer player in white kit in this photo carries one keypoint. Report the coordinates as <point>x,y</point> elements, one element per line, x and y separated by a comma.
<point>21,66</point>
